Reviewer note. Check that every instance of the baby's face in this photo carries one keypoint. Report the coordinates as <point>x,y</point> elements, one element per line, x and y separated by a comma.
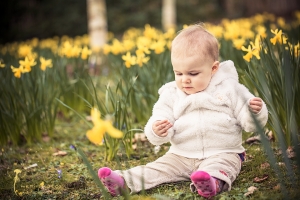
<point>193,74</point>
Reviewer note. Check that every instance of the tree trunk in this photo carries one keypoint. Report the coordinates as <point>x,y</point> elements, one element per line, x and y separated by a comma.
<point>97,23</point>
<point>168,14</point>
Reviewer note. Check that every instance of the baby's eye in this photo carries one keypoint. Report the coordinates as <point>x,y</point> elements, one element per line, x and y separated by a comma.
<point>178,74</point>
<point>194,74</point>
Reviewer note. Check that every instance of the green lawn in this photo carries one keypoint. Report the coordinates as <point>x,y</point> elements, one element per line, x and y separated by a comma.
<point>75,182</point>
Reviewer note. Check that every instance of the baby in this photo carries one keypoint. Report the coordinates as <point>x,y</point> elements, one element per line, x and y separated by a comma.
<point>202,114</point>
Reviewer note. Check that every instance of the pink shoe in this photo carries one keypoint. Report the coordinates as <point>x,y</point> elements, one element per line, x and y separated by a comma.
<point>111,180</point>
<point>206,185</point>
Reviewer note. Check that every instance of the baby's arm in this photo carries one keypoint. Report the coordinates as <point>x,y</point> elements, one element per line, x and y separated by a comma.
<point>255,105</point>
<point>161,127</point>
<point>244,104</point>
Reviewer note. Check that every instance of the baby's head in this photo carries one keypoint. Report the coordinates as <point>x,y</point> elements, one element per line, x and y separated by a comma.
<point>194,56</point>
<point>195,40</point>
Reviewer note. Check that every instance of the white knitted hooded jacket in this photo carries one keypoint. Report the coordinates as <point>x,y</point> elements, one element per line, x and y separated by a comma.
<point>208,122</point>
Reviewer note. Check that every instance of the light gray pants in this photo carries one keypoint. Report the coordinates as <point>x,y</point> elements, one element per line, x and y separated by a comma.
<point>173,168</point>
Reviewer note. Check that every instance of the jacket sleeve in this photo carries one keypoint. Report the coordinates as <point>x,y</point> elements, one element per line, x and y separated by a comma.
<point>242,111</point>
<point>162,109</point>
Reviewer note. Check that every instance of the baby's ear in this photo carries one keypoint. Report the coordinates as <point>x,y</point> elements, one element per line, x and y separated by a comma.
<point>215,67</point>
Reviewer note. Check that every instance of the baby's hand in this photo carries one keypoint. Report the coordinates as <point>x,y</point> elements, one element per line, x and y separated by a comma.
<point>161,128</point>
<point>255,105</point>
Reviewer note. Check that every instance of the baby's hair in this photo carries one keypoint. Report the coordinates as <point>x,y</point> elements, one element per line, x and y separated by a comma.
<point>195,40</point>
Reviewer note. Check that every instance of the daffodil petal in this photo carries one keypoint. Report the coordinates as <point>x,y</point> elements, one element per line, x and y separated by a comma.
<point>112,131</point>
<point>95,135</point>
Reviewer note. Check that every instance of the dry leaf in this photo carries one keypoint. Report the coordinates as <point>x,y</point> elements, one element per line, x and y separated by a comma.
<point>281,164</point>
<point>134,146</point>
<point>254,139</point>
<point>140,137</point>
<point>259,180</point>
<point>250,191</point>
<point>265,165</point>
<point>60,153</point>
<point>277,187</point>
<point>290,152</point>
<point>278,152</point>
<point>46,138</point>
<point>31,166</point>
<point>271,136</point>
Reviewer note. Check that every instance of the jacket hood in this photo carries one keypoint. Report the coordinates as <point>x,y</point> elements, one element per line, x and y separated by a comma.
<point>226,71</point>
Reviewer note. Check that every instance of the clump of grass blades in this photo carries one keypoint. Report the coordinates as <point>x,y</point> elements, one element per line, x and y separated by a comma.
<point>276,79</point>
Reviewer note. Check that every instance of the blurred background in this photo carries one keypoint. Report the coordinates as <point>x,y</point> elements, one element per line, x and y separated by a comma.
<point>21,20</point>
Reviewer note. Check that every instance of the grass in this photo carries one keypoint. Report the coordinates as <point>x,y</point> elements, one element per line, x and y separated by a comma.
<point>43,182</point>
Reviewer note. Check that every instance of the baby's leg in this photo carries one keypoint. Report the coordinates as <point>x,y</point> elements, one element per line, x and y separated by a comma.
<point>113,182</point>
<point>166,169</point>
<point>216,171</point>
<point>206,185</point>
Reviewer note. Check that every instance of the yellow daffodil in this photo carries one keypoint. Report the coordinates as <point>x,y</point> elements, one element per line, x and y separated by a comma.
<point>75,52</point>
<point>67,49</point>
<point>261,30</point>
<point>143,41</point>
<point>128,45</point>
<point>45,63</point>
<point>96,134</point>
<point>17,71</point>
<point>2,65</point>
<point>150,32</point>
<point>129,60</point>
<point>116,48</point>
<point>85,53</point>
<point>256,47</point>
<point>185,26</point>
<point>217,31</point>
<point>142,59</point>
<point>238,43</point>
<point>32,56</point>
<point>50,43</point>
<point>141,50</point>
<point>281,22</point>
<point>278,37</point>
<point>296,49</point>
<point>16,178</point>
<point>251,52</point>
<point>27,64</point>
<point>132,34</point>
<point>106,49</point>
<point>259,19</point>
<point>34,42</point>
<point>170,34</point>
<point>112,131</point>
<point>158,46</point>
<point>249,55</point>
<point>169,44</point>
<point>232,30</point>
<point>24,50</point>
